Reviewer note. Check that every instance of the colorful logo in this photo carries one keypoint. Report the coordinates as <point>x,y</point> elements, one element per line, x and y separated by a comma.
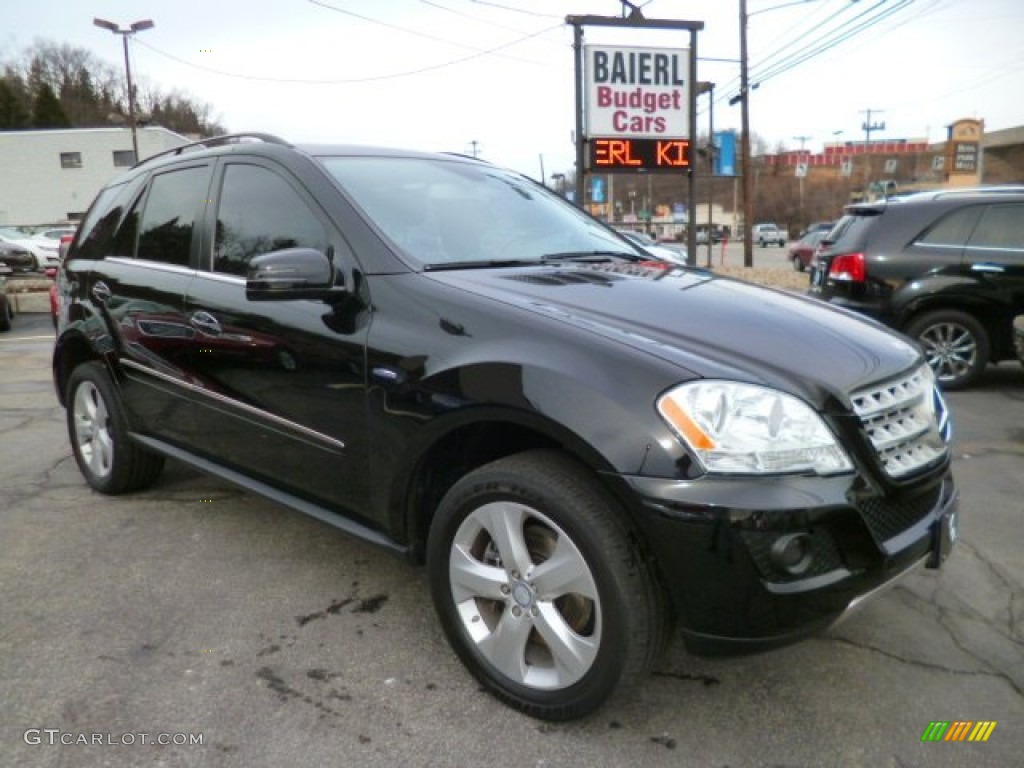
<point>958,730</point>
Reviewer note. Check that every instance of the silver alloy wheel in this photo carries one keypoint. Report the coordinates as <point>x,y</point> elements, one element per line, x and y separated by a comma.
<point>92,430</point>
<point>525,595</point>
<point>951,350</point>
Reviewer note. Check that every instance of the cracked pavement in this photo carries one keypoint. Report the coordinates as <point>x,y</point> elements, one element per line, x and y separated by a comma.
<point>197,608</point>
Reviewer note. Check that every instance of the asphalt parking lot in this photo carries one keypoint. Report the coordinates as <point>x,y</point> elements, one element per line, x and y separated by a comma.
<point>197,610</point>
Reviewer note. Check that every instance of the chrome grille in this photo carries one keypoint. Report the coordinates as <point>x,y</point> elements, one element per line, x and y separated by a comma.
<point>906,421</point>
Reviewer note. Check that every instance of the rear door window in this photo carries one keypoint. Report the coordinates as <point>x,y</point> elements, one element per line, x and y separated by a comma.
<point>172,206</point>
<point>952,230</point>
<point>1001,228</point>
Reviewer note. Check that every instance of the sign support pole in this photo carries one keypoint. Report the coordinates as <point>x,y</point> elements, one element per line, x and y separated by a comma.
<point>691,224</point>
<point>577,50</point>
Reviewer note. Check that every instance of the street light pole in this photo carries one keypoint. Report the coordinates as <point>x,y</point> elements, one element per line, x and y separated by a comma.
<point>137,26</point>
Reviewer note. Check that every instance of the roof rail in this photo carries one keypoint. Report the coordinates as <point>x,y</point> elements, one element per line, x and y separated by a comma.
<point>215,141</point>
<point>464,156</point>
<point>1008,189</point>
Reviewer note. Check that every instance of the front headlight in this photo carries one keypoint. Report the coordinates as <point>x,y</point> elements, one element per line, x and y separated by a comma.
<point>746,429</point>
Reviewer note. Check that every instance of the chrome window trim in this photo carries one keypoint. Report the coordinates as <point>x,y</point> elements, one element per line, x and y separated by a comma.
<point>196,389</point>
<point>161,266</point>
<point>222,277</point>
<point>994,248</point>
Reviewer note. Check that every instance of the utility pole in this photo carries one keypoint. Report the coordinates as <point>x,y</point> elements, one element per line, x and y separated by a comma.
<point>475,148</point>
<point>709,88</point>
<point>748,200</point>
<point>868,127</point>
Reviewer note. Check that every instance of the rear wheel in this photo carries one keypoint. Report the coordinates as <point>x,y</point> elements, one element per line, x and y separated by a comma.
<point>107,457</point>
<point>798,263</point>
<point>955,345</point>
<point>538,588</point>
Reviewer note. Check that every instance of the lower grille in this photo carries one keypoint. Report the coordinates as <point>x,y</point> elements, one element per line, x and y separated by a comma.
<point>887,518</point>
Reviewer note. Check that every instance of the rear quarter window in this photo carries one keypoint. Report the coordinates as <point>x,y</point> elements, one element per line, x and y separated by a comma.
<point>100,223</point>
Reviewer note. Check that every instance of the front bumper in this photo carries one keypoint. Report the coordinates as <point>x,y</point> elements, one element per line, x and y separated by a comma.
<point>752,563</point>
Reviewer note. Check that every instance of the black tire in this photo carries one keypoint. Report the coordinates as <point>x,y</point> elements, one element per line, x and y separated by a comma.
<point>955,344</point>
<point>541,503</point>
<point>798,264</point>
<point>108,459</point>
<point>6,313</point>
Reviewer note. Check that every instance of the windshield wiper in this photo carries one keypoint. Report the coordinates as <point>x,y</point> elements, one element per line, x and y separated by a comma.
<point>439,266</point>
<point>592,256</point>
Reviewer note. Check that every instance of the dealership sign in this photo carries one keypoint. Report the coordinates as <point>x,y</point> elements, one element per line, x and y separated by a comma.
<point>637,93</point>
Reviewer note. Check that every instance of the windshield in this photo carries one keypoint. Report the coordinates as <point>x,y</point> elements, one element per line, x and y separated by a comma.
<point>450,212</point>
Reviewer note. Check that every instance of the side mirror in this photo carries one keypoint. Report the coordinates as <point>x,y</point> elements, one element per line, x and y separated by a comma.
<point>291,273</point>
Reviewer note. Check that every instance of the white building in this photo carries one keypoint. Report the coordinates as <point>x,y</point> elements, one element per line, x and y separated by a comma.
<point>51,176</point>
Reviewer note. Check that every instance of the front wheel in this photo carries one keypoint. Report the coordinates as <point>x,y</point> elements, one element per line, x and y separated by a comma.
<point>108,459</point>
<point>955,344</point>
<point>537,586</point>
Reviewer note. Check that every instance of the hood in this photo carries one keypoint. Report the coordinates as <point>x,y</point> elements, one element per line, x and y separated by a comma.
<point>710,326</point>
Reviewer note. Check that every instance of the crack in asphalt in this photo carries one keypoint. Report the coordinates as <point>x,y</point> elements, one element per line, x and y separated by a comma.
<point>933,667</point>
<point>16,426</point>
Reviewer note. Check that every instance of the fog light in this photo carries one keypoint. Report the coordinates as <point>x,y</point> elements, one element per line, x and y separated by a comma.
<point>792,553</point>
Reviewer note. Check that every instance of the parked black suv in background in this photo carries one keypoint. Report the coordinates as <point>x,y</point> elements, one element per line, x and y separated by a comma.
<point>946,268</point>
<point>448,360</point>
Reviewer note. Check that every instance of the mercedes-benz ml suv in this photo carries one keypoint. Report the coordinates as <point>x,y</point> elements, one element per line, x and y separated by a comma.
<point>946,268</point>
<point>446,359</point>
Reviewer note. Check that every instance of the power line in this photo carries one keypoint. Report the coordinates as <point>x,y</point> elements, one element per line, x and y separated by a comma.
<point>776,56</point>
<point>502,7</point>
<point>350,80</point>
<point>827,41</point>
<point>404,30</point>
<point>836,38</point>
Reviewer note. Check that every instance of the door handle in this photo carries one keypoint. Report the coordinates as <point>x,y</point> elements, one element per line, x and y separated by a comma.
<point>101,292</point>
<point>205,323</point>
<point>988,267</point>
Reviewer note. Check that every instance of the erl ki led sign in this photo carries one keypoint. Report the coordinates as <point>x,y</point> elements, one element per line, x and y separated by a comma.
<point>637,108</point>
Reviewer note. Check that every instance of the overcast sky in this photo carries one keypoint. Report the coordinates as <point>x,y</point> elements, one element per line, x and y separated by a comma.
<point>442,74</point>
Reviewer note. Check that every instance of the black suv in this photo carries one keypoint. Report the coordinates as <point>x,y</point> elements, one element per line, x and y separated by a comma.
<point>946,268</point>
<point>446,359</point>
